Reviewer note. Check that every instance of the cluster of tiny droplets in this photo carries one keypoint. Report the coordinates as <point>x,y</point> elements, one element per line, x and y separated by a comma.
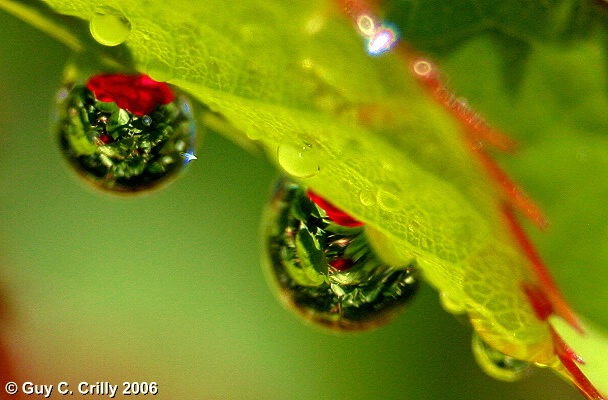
<point>380,37</point>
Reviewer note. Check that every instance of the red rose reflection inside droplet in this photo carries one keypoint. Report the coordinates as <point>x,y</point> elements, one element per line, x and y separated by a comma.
<point>341,264</point>
<point>105,139</point>
<point>138,94</point>
<point>334,213</point>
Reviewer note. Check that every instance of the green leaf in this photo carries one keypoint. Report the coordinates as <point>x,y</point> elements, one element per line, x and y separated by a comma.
<point>558,113</point>
<point>559,118</point>
<point>436,24</point>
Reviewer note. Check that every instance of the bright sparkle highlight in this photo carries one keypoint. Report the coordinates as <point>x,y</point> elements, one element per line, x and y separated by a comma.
<point>382,41</point>
<point>189,157</point>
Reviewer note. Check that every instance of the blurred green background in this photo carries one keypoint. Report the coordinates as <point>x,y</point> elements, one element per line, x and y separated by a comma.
<point>168,287</point>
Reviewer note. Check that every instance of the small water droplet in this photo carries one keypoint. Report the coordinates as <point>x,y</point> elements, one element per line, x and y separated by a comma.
<point>496,364</point>
<point>159,70</point>
<point>299,161</point>
<point>387,200</point>
<point>423,68</point>
<point>366,25</point>
<point>329,272</point>
<point>119,144</point>
<point>367,198</point>
<point>109,28</point>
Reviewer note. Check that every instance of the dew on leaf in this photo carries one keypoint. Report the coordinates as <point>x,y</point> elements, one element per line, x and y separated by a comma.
<point>109,28</point>
<point>159,70</point>
<point>423,68</point>
<point>366,25</point>
<point>124,133</point>
<point>299,161</point>
<point>496,364</point>
<point>326,271</point>
<point>367,198</point>
<point>387,200</point>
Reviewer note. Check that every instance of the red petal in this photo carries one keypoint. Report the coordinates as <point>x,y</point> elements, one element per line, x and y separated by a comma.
<point>334,213</point>
<point>138,94</point>
<point>162,93</point>
<point>341,264</point>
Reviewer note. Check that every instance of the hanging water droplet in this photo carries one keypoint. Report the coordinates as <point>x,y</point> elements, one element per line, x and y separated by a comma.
<point>326,271</point>
<point>109,28</point>
<point>367,198</point>
<point>299,161</point>
<point>125,133</point>
<point>496,364</point>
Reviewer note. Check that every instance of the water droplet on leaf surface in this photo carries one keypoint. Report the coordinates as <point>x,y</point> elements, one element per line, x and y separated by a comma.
<point>124,133</point>
<point>423,68</point>
<point>367,197</point>
<point>366,25</point>
<point>326,271</point>
<point>496,364</point>
<point>298,161</point>
<point>109,28</point>
<point>159,70</point>
<point>387,200</point>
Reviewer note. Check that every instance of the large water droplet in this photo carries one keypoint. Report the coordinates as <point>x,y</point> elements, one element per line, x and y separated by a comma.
<point>109,28</point>
<point>124,133</point>
<point>329,272</point>
<point>299,161</point>
<point>496,364</point>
